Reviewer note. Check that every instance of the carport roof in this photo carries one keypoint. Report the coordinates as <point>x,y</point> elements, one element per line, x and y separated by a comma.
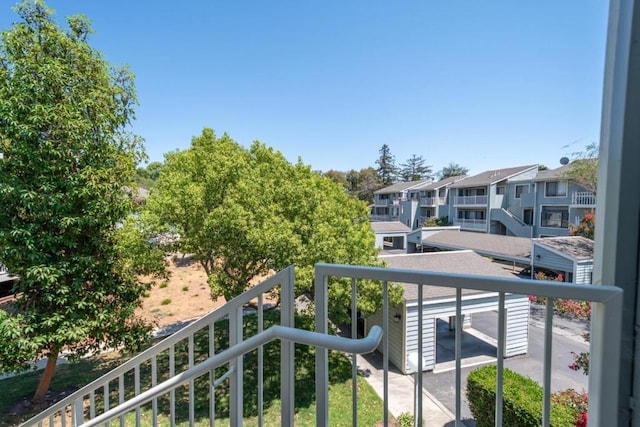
<point>492,245</point>
<point>389,227</point>
<point>458,262</point>
<point>576,248</point>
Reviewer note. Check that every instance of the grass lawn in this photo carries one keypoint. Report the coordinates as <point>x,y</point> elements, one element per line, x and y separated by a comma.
<point>68,377</point>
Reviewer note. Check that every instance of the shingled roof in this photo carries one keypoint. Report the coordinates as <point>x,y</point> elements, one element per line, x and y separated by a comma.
<point>493,245</point>
<point>458,262</point>
<point>389,227</point>
<point>399,187</point>
<point>492,176</point>
<point>575,247</point>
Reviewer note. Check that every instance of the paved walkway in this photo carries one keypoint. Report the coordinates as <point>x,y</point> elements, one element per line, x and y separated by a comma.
<point>401,392</point>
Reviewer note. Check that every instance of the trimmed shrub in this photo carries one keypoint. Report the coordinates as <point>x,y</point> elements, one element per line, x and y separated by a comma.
<point>522,400</point>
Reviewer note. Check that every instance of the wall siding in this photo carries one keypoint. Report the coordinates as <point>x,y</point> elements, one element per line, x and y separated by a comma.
<point>583,272</point>
<point>517,320</point>
<point>549,259</point>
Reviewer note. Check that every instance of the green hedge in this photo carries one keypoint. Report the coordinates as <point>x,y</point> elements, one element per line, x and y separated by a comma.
<point>522,400</point>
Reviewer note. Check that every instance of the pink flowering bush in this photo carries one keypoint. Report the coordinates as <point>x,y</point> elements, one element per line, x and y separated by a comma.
<point>578,401</point>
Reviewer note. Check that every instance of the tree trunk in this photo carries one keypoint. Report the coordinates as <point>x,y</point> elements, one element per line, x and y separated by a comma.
<point>47,376</point>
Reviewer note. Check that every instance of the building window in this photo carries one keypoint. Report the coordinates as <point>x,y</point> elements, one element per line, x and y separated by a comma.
<point>555,189</point>
<point>470,214</point>
<point>555,217</point>
<point>520,189</point>
<point>501,190</point>
<point>528,216</point>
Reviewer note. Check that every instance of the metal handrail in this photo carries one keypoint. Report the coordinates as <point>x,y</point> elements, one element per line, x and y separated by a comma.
<point>298,336</point>
<point>283,278</point>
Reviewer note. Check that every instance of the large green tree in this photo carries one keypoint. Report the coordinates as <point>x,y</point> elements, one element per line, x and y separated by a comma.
<point>246,212</point>
<point>387,169</point>
<point>583,169</point>
<point>451,170</point>
<point>64,190</point>
<point>415,169</point>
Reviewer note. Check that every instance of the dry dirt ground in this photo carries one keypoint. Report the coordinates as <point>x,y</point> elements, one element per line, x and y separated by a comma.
<point>184,295</point>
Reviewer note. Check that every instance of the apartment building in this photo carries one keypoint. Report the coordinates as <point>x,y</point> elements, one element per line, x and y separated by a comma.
<point>518,201</point>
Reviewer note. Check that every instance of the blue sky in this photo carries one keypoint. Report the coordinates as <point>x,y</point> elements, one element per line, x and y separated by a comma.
<point>488,84</point>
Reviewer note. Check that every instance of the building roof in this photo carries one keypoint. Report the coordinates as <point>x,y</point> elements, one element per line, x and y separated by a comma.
<point>439,184</point>
<point>492,176</point>
<point>577,248</point>
<point>493,245</point>
<point>458,262</point>
<point>389,227</point>
<point>553,174</point>
<point>399,187</point>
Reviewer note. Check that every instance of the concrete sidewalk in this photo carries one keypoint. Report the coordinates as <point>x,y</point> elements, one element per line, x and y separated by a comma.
<point>401,392</point>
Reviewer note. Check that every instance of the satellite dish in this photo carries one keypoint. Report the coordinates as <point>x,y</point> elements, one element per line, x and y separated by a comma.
<point>564,161</point>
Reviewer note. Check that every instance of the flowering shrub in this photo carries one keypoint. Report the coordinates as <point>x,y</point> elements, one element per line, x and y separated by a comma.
<point>580,361</point>
<point>564,307</point>
<point>579,402</point>
<point>584,228</point>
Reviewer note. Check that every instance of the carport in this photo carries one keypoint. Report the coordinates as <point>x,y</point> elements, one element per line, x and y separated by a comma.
<point>390,234</point>
<point>572,255</point>
<point>439,303</point>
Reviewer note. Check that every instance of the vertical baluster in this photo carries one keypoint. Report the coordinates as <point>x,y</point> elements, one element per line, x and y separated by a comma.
<point>106,400</point>
<point>154,381</point>
<point>212,377</point>
<point>92,404</point>
<point>385,351</point>
<point>121,396</point>
<point>236,385</point>
<point>260,364</point>
<point>192,398</point>
<point>136,384</point>
<point>287,354</point>
<point>546,382</point>
<point>458,344</point>
<point>354,356</point>
<point>172,393</point>
<point>500,361</point>
<point>419,376</point>
<point>322,355</point>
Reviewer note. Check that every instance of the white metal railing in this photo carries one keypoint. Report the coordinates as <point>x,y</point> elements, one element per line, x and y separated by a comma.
<point>432,201</point>
<point>384,217</point>
<point>603,377</point>
<point>583,198</point>
<point>428,201</point>
<point>472,200</point>
<point>83,403</point>
<point>285,334</point>
<point>476,224</point>
<point>605,333</point>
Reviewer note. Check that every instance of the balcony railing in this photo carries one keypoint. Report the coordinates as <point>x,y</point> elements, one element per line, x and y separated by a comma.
<point>471,200</point>
<point>583,198</point>
<point>475,224</point>
<point>80,408</point>
<point>385,217</point>
<point>432,201</point>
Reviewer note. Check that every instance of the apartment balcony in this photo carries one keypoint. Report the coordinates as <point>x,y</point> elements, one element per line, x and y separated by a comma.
<point>379,218</point>
<point>471,224</point>
<point>432,201</point>
<point>472,200</point>
<point>583,199</point>
<point>119,396</point>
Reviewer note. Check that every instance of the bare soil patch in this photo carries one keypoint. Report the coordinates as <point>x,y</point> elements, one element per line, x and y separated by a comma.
<point>184,295</point>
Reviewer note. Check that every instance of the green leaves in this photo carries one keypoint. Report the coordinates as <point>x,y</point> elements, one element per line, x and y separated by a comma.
<point>68,160</point>
<point>245,212</point>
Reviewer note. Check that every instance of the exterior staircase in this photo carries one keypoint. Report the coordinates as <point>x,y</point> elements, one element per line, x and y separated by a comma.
<point>514,224</point>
